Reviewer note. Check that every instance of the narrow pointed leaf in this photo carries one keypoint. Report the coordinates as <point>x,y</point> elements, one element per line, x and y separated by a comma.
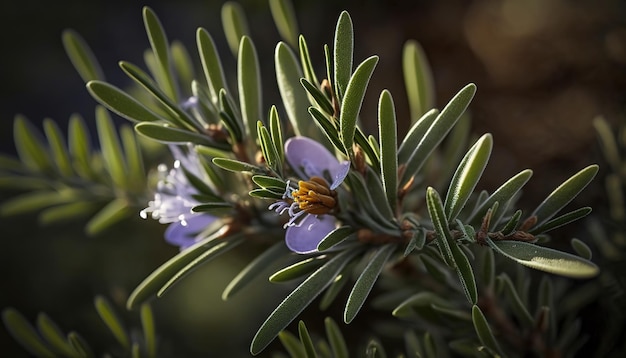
<point>291,343</point>
<point>24,333</point>
<point>284,17</point>
<point>58,147</point>
<point>297,270</point>
<point>120,103</point>
<point>517,305</point>
<point>328,128</point>
<point>484,331</point>
<point>151,284</point>
<point>236,165</point>
<point>254,269</point>
<point>210,254</point>
<point>235,24</point>
<point>249,85</point>
<point>388,146</point>
<point>438,217</point>
<point>581,248</point>
<point>467,175</point>
<point>353,99</point>
<point>175,114</point>
<point>546,259</point>
<point>294,98</point>
<point>343,53</point>
<point>415,135</point>
<point>112,213</point>
<point>166,134</point>
<point>305,60</point>
<point>211,64</point>
<point>81,56</point>
<point>149,333</point>
<point>418,79</point>
<point>66,212</point>
<point>80,146</point>
<point>29,143</point>
<point>277,134</point>
<point>561,220</point>
<point>322,101</point>
<point>110,318</point>
<point>306,340</point>
<point>503,194</point>
<point>335,337</point>
<point>36,200</point>
<point>334,289</point>
<point>335,237</point>
<point>161,49</point>
<point>54,336</point>
<point>438,130</point>
<point>111,148</point>
<point>80,345</point>
<point>365,282</point>
<point>562,195</point>
<point>465,272</point>
<point>298,300</point>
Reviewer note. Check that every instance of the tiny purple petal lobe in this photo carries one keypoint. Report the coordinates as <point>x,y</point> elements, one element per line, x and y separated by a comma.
<point>184,236</point>
<point>304,238</point>
<point>309,158</point>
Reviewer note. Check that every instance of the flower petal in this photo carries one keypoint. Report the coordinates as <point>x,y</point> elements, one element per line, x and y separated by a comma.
<point>340,174</point>
<point>184,236</point>
<point>304,238</point>
<point>309,158</point>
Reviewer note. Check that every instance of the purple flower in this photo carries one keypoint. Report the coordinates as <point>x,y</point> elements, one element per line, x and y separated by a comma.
<point>174,199</point>
<point>309,203</point>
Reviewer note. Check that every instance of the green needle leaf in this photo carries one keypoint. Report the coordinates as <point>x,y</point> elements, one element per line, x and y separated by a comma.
<point>438,130</point>
<point>285,19</point>
<point>161,48</point>
<point>465,272</point>
<point>484,331</point>
<point>467,175</point>
<point>29,145</point>
<point>58,148</point>
<point>211,64</point>
<point>388,147</point>
<point>121,103</point>
<point>112,213</point>
<point>249,85</point>
<point>54,336</point>
<point>335,237</point>
<point>438,217</point>
<point>343,53</point>
<point>545,259</point>
<point>254,269</point>
<point>216,250</point>
<point>337,342</point>
<point>148,288</point>
<point>561,220</point>
<point>418,79</point>
<point>297,270</point>
<point>167,134</point>
<point>110,318</point>
<point>80,146</point>
<point>81,56</point>
<point>353,99</point>
<point>503,194</point>
<point>306,340</point>
<point>298,300</point>
<point>235,24</point>
<point>24,333</point>
<point>149,333</point>
<point>111,148</point>
<point>365,282</point>
<point>236,165</point>
<point>295,100</point>
<point>562,195</point>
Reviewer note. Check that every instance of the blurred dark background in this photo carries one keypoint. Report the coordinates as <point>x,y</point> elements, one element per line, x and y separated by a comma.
<point>544,70</point>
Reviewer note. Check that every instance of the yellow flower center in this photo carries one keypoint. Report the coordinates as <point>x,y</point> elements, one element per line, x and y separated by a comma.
<point>314,196</point>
